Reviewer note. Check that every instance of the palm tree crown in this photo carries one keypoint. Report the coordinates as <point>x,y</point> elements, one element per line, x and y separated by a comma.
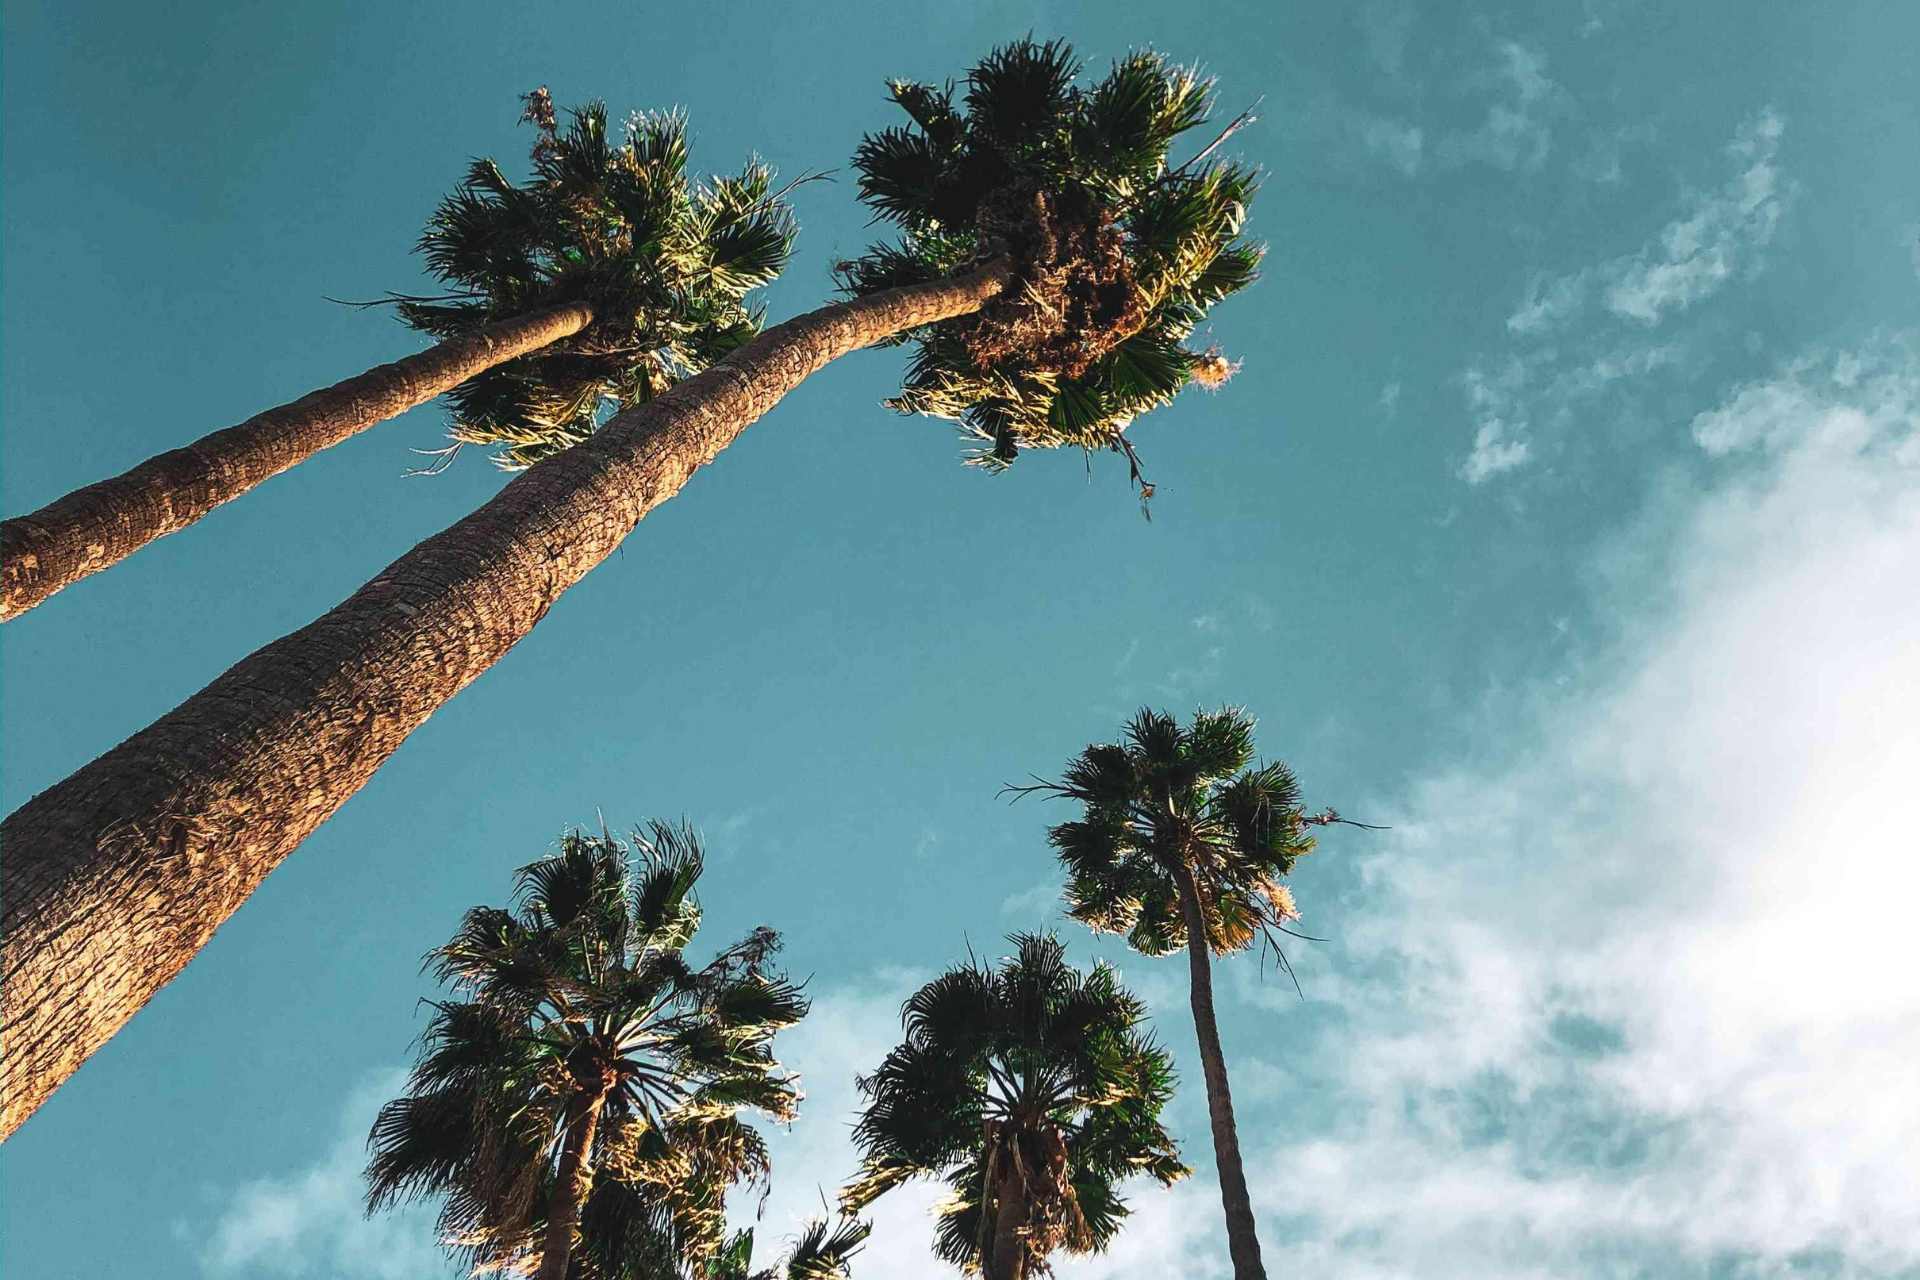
<point>1172,796</point>
<point>666,263</point>
<point>583,996</point>
<point>1032,1089</point>
<point>1118,254</point>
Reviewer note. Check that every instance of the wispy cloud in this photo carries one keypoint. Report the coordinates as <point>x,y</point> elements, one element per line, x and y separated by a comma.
<point>308,1221</point>
<point>1722,233</point>
<point>1696,254</point>
<point>1534,385</point>
<point>1515,133</point>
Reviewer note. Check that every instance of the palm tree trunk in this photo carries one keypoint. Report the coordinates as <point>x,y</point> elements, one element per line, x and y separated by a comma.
<point>93,528</point>
<point>1243,1245</point>
<point>113,879</point>
<point>1009,1258</point>
<point>572,1180</point>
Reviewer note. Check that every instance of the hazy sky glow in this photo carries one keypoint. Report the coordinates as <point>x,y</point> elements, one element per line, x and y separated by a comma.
<point>1565,516</point>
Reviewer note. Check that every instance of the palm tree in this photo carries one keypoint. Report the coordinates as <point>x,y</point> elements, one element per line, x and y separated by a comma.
<point>605,278</point>
<point>823,1252</point>
<point>1032,1090</point>
<point>1184,842</point>
<point>159,840</point>
<point>585,1079</point>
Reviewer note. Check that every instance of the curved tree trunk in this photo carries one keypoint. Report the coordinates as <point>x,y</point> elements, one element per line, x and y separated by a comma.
<point>114,878</point>
<point>572,1180</point>
<point>102,524</point>
<point>1243,1245</point>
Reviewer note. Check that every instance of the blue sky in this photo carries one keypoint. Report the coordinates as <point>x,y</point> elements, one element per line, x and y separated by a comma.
<point>1564,515</point>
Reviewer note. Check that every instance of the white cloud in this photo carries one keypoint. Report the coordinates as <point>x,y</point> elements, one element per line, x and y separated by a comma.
<point>1550,300</point>
<point>1639,986</point>
<point>1690,258</point>
<point>1725,231</point>
<point>1494,451</point>
<point>309,1222</point>
<point>1388,402</point>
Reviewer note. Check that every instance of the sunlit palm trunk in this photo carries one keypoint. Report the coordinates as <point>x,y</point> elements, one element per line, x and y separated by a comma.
<point>1243,1245</point>
<point>114,878</point>
<point>572,1180</point>
<point>1008,1260</point>
<point>102,524</point>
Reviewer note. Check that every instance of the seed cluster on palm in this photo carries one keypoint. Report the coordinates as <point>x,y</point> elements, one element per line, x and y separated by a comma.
<point>587,1081</point>
<point>1032,1090</point>
<point>1118,252</point>
<point>614,221</point>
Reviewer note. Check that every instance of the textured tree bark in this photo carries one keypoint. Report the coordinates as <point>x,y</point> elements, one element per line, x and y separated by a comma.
<point>1009,1260</point>
<point>1243,1244</point>
<point>115,877</point>
<point>102,524</point>
<point>572,1180</point>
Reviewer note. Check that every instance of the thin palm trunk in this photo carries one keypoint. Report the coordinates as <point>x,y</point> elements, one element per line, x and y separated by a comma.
<point>116,877</point>
<point>93,528</point>
<point>1243,1245</point>
<point>572,1180</point>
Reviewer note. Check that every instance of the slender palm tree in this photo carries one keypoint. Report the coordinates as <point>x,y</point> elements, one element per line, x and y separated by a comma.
<point>1184,842</point>
<point>585,1080</point>
<point>1032,1090</point>
<point>603,280</point>
<point>115,877</point>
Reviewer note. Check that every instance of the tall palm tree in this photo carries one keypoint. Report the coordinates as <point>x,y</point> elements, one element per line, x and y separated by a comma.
<point>585,1079</point>
<point>115,877</point>
<point>605,278</point>
<point>1032,1090</point>
<point>1184,842</point>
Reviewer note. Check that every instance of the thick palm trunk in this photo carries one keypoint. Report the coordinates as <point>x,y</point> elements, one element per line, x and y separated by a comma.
<point>1008,1260</point>
<point>114,878</point>
<point>1243,1245</point>
<point>572,1180</point>
<point>102,524</point>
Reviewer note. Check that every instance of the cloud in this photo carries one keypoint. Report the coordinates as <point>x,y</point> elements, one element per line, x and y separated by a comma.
<point>1536,384</point>
<point>1696,254</point>
<point>1514,134</point>
<point>309,1221</point>
<point>1637,987</point>
<point>1690,258</point>
<point>1494,451</point>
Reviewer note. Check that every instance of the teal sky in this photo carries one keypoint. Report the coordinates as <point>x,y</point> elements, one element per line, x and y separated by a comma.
<point>1565,515</point>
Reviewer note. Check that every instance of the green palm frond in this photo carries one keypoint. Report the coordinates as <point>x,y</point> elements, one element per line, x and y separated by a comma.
<point>1118,253</point>
<point>1027,1074</point>
<point>609,217</point>
<point>583,988</point>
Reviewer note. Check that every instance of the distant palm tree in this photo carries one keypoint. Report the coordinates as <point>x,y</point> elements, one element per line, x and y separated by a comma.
<point>1081,253</point>
<point>586,1080</point>
<point>1184,843</point>
<point>608,277</point>
<point>823,1252</point>
<point>1032,1090</point>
